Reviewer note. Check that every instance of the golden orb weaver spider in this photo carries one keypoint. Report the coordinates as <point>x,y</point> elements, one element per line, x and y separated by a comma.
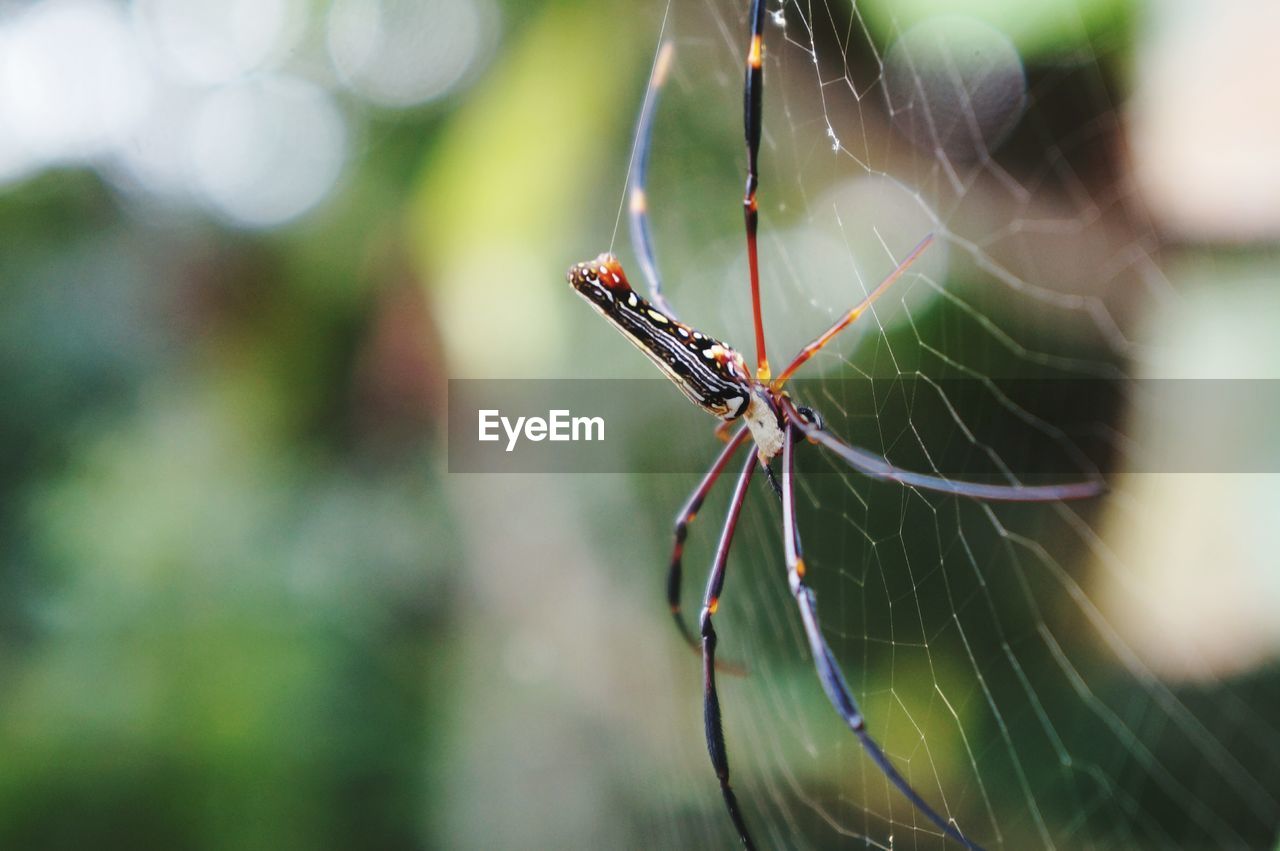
<point>715,378</point>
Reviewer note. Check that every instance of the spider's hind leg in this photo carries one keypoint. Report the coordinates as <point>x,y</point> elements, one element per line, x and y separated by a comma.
<point>675,570</point>
<point>641,237</point>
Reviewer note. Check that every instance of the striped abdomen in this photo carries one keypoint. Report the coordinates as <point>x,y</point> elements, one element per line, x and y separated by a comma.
<point>711,374</point>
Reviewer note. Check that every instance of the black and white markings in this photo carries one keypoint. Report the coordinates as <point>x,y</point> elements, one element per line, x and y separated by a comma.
<point>709,373</point>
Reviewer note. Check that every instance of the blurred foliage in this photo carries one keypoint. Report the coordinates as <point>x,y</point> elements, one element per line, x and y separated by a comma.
<point>1040,30</point>
<point>224,538</point>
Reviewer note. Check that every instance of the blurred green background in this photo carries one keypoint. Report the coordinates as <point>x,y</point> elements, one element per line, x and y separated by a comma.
<point>245,245</point>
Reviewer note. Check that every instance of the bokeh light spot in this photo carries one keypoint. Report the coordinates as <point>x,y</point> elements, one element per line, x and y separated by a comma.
<point>955,86</point>
<point>215,41</point>
<point>266,151</point>
<point>71,85</point>
<point>399,53</point>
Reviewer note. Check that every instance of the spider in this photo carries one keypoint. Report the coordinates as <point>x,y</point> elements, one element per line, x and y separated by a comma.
<point>715,378</point>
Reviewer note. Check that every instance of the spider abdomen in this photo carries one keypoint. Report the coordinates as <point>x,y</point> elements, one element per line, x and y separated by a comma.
<point>710,373</point>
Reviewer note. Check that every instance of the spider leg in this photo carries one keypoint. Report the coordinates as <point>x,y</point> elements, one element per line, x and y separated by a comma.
<point>773,480</point>
<point>752,117</point>
<point>638,207</point>
<point>833,682</point>
<point>686,516</point>
<point>857,310</point>
<point>711,701</point>
<point>877,467</point>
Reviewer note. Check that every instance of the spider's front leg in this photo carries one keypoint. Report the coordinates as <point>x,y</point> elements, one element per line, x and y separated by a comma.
<point>711,700</point>
<point>833,682</point>
<point>686,516</point>
<point>877,467</point>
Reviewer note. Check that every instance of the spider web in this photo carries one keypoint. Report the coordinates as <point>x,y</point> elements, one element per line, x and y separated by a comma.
<point>1004,655</point>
